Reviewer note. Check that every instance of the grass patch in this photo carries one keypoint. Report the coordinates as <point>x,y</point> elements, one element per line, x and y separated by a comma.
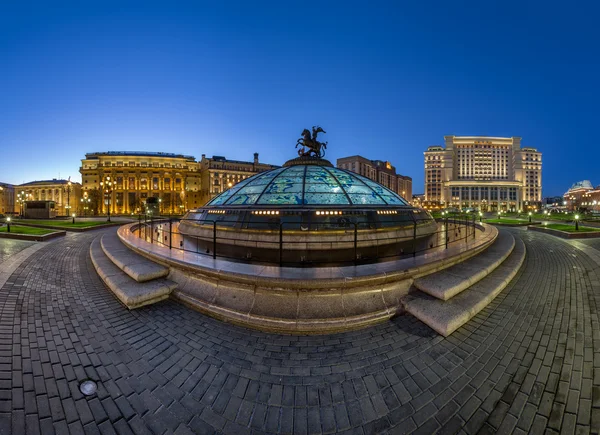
<point>17,229</point>
<point>571,228</point>
<point>63,223</point>
<point>507,221</point>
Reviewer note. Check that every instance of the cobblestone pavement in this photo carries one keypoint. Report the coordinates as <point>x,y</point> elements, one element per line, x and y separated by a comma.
<point>530,362</point>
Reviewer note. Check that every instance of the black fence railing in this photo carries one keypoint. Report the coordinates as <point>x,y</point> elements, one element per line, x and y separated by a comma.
<point>302,244</point>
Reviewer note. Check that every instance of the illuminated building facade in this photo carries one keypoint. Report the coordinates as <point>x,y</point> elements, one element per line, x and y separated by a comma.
<point>582,196</point>
<point>134,177</point>
<point>381,172</point>
<point>7,198</point>
<point>485,173</point>
<point>66,194</point>
<point>219,174</point>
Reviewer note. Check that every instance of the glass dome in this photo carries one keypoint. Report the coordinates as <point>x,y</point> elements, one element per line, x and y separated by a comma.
<point>308,185</point>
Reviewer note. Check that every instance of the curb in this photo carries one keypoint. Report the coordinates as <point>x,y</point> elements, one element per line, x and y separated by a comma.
<point>73,230</point>
<point>566,235</point>
<point>33,237</point>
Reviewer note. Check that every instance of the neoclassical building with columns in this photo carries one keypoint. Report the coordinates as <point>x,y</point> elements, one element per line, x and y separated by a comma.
<point>66,194</point>
<point>135,176</point>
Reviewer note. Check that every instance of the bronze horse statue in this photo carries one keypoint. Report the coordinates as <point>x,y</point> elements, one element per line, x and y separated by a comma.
<point>310,145</point>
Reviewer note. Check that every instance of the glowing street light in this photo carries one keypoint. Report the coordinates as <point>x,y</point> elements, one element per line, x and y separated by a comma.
<point>576,222</point>
<point>106,186</point>
<point>8,224</point>
<point>67,189</point>
<point>529,217</point>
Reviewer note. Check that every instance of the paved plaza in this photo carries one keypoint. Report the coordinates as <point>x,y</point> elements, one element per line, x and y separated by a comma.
<point>528,363</point>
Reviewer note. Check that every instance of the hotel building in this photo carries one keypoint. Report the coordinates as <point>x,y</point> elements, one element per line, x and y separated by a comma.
<point>582,196</point>
<point>379,171</point>
<point>66,194</point>
<point>135,176</point>
<point>485,173</point>
<point>219,174</point>
<point>7,198</point>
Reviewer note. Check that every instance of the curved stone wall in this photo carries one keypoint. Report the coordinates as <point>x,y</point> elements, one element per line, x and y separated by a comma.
<point>300,300</point>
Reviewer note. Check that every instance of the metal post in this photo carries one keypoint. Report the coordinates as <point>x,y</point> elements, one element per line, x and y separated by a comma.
<point>280,243</point>
<point>170,232</point>
<point>473,227</point>
<point>140,225</point>
<point>214,239</point>
<point>151,230</point>
<point>415,239</point>
<point>446,235</point>
<point>355,242</point>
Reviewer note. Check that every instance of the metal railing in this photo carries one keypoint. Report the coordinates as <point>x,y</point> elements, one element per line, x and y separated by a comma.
<point>222,239</point>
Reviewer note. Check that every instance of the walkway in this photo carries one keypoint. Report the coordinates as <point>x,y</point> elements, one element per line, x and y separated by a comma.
<point>529,362</point>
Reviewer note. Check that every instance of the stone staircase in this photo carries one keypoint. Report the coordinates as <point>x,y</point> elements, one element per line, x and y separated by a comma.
<point>447,299</point>
<point>134,280</point>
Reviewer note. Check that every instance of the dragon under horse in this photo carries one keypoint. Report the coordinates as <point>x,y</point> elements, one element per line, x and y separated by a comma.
<point>311,147</point>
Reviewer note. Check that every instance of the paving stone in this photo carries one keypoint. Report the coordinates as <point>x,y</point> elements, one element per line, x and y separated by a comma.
<point>528,362</point>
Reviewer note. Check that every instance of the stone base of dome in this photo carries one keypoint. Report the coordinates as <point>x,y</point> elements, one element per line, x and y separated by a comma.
<point>308,160</point>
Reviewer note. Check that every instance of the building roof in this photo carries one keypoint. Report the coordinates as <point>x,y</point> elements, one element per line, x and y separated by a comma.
<point>53,181</point>
<point>584,184</point>
<point>138,154</point>
<point>308,185</point>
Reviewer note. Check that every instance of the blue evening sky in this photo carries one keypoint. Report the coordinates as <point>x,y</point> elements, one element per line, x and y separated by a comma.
<point>384,79</point>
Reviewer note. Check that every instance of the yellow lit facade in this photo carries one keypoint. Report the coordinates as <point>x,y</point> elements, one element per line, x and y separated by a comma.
<point>7,198</point>
<point>485,173</point>
<point>219,174</point>
<point>136,176</point>
<point>66,195</point>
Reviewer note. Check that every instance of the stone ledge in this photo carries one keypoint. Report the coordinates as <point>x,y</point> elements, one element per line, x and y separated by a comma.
<point>33,237</point>
<point>131,293</point>
<point>71,230</point>
<point>298,300</point>
<point>446,316</point>
<point>136,266</point>
<point>449,282</point>
<point>319,277</point>
<point>565,234</point>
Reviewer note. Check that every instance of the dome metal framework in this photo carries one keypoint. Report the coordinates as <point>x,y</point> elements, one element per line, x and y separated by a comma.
<point>307,185</point>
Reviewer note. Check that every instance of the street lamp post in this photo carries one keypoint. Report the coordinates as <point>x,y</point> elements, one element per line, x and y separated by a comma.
<point>21,201</point>
<point>529,217</point>
<point>68,190</point>
<point>8,224</point>
<point>107,189</point>
<point>576,222</point>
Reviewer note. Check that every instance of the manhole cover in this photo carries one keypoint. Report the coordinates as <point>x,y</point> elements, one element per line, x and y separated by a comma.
<point>88,387</point>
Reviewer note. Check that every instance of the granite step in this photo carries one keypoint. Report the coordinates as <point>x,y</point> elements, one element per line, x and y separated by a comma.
<point>131,293</point>
<point>449,282</point>
<point>136,266</point>
<point>446,316</point>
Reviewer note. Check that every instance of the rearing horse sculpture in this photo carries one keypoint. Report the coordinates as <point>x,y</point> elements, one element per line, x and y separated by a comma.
<point>310,145</point>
